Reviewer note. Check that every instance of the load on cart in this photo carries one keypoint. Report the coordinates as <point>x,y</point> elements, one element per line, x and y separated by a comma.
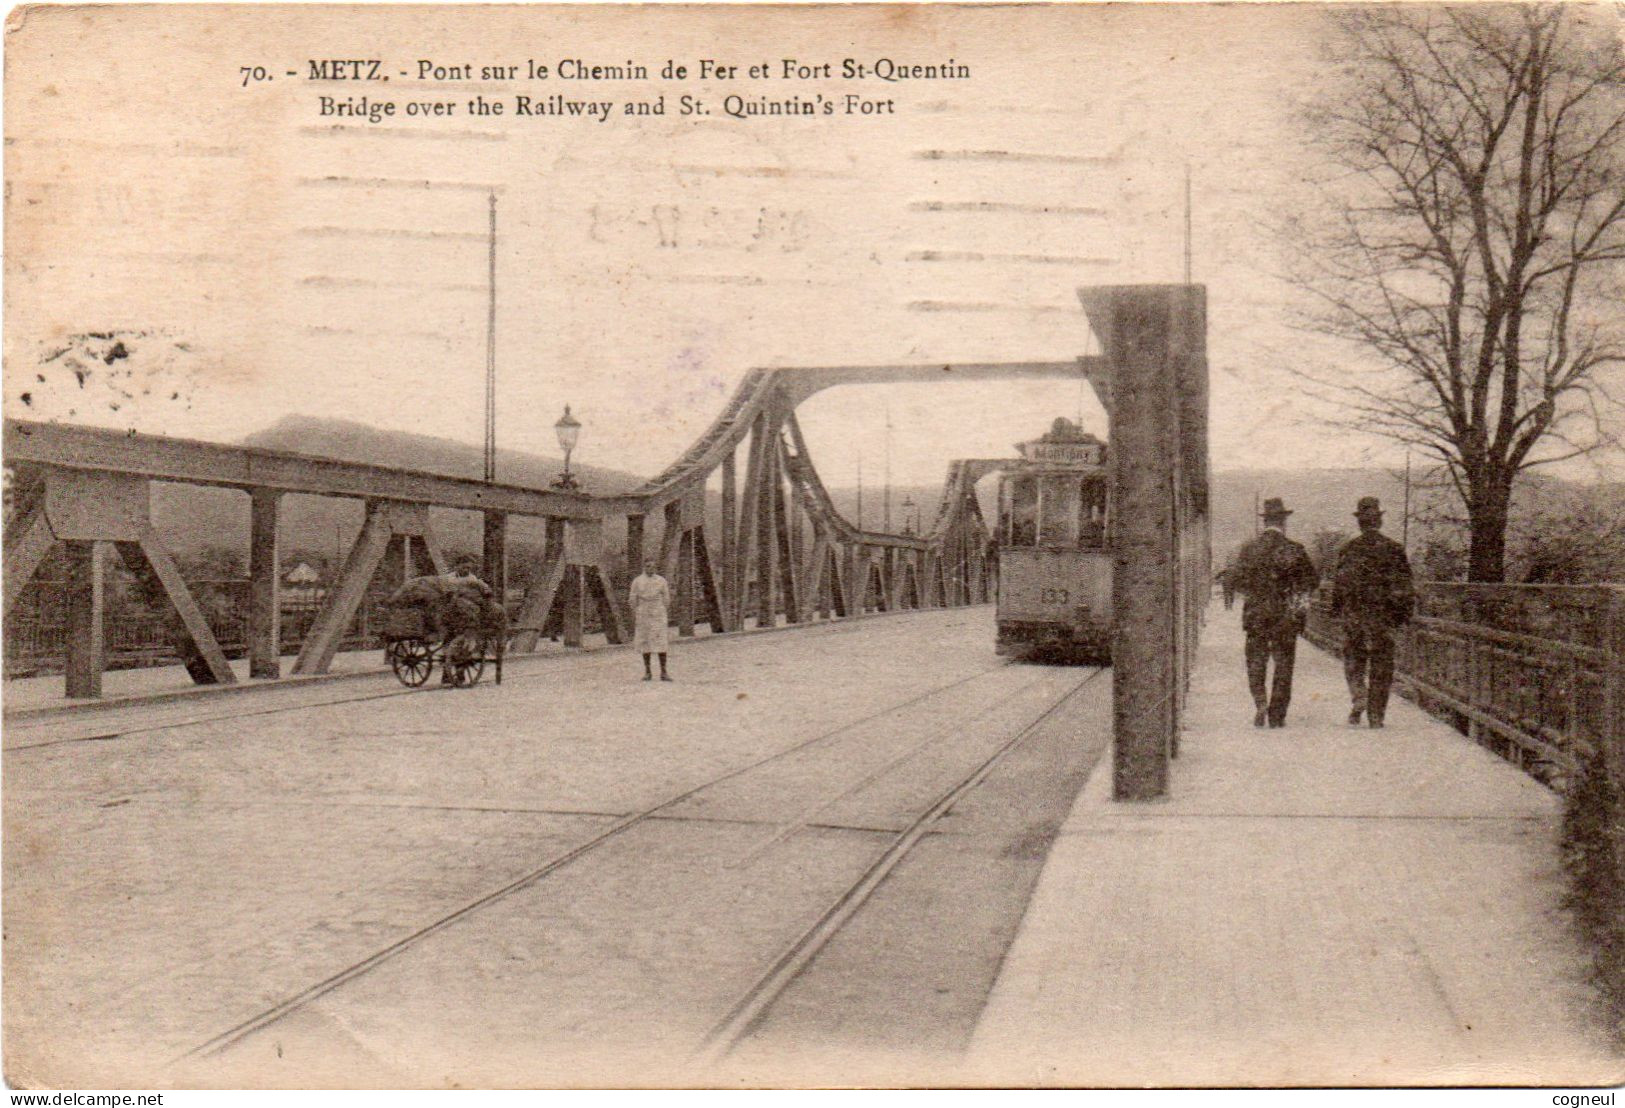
<point>453,617</point>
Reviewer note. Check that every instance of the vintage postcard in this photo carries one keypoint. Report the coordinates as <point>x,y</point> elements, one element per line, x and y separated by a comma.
<point>814,545</point>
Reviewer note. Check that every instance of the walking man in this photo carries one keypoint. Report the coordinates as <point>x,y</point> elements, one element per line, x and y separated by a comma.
<point>651,603</point>
<point>1373,595</point>
<point>1276,577</point>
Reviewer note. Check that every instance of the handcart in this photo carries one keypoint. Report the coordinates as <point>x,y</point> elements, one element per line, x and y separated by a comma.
<point>411,649</point>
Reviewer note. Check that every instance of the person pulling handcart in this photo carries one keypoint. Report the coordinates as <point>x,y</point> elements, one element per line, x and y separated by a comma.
<point>459,611</point>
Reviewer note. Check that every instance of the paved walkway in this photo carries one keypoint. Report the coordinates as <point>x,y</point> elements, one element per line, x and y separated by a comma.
<point>1319,905</point>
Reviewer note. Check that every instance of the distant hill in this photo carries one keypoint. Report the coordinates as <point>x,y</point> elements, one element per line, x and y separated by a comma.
<point>1324,499</point>
<point>349,441</point>
<point>192,517</point>
<point>1319,499</point>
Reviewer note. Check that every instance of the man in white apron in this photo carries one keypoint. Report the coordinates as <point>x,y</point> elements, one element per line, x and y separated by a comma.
<point>651,603</point>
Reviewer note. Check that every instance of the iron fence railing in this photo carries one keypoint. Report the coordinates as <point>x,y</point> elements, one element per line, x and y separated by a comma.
<point>1535,672</point>
<point>136,635</point>
<point>1577,614</point>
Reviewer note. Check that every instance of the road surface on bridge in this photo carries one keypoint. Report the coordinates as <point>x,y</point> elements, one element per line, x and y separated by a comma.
<point>576,877</point>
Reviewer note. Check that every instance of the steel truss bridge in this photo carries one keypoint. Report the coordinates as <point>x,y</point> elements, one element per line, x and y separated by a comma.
<point>783,547</point>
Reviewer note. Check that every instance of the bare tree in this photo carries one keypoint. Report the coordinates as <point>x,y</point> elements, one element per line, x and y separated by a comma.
<point>1469,235</point>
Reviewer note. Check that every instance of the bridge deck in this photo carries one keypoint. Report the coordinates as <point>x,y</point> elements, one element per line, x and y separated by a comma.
<point>1319,905</point>
<point>571,878</point>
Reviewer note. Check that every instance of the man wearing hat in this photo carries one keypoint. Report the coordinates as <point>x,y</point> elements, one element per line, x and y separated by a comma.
<point>1372,595</point>
<point>1276,576</point>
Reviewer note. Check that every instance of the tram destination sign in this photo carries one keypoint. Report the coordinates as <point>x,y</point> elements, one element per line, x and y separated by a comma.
<point>1088,452</point>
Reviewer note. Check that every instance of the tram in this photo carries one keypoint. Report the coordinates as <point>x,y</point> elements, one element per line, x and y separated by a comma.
<point>1054,549</point>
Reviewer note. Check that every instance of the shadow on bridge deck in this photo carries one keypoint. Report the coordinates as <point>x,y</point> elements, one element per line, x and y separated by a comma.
<point>1319,905</point>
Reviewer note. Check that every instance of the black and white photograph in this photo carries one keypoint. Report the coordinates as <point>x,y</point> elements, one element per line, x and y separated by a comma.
<point>814,546</point>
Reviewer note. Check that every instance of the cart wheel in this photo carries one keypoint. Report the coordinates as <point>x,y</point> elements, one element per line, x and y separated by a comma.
<point>411,659</point>
<point>468,671</point>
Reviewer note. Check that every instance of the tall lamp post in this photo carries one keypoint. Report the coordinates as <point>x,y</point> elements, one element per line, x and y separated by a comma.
<point>568,429</point>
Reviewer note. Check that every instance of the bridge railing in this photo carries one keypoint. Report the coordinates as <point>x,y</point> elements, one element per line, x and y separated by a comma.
<point>1534,672</point>
<point>139,634</point>
<point>80,500</point>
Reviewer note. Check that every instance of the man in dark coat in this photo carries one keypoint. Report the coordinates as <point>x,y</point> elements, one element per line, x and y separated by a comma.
<point>1276,576</point>
<point>1372,595</point>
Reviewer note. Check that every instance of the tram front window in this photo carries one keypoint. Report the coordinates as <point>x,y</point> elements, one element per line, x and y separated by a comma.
<point>1021,510</point>
<point>1092,515</point>
<point>1058,520</point>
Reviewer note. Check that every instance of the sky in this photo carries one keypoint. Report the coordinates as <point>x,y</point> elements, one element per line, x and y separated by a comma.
<point>280,262</point>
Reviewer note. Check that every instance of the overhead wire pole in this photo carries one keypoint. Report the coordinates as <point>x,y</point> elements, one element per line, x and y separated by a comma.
<point>491,350</point>
<point>860,490</point>
<point>494,533</point>
<point>886,509</point>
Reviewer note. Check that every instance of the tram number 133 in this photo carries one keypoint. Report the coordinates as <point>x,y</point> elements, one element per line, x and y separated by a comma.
<point>1054,596</point>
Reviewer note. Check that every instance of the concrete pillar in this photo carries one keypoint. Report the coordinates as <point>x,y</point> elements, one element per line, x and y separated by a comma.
<point>1150,335</point>
<point>85,640</point>
<point>264,598</point>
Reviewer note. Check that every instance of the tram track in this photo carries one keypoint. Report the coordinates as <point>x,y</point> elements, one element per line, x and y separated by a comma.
<point>198,721</point>
<point>743,1019</point>
<point>223,1041</point>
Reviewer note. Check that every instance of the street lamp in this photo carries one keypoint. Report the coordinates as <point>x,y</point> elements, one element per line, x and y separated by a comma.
<point>908,515</point>
<point>568,429</point>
